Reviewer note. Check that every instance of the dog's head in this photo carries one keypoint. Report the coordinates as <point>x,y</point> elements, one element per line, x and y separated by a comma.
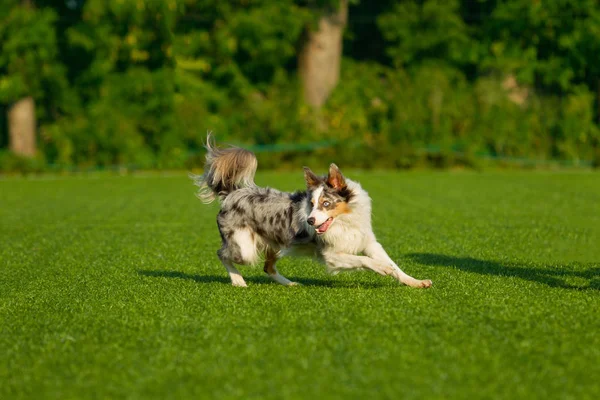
<point>329,198</point>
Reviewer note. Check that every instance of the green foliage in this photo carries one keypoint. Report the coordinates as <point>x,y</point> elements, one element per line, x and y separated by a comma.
<point>28,52</point>
<point>12,163</point>
<point>128,124</point>
<point>576,134</point>
<point>262,49</point>
<point>551,44</point>
<point>423,30</point>
<point>29,61</point>
<point>434,82</point>
<point>434,115</point>
<point>128,89</point>
<point>237,49</point>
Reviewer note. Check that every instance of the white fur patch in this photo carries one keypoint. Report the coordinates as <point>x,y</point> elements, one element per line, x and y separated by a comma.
<point>248,245</point>
<point>319,216</point>
<point>316,196</point>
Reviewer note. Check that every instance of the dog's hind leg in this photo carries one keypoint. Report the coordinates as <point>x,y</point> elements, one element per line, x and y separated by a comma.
<point>271,270</point>
<point>375,251</point>
<point>234,274</point>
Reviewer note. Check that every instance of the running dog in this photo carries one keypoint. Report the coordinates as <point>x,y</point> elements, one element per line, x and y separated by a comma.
<point>331,219</point>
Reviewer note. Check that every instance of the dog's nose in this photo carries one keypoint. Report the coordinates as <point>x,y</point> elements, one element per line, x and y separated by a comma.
<point>311,221</point>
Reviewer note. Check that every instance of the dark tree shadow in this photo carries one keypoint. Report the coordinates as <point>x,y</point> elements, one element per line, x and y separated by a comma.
<point>553,277</point>
<point>334,284</point>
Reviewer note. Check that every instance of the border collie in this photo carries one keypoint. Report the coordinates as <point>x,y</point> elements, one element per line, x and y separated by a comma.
<point>331,219</point>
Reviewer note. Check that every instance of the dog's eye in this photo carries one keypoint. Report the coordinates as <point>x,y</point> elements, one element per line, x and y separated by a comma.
<point>326,204</point>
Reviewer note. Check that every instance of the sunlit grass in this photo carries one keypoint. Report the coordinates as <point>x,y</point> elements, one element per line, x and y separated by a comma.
<point>110,287</point>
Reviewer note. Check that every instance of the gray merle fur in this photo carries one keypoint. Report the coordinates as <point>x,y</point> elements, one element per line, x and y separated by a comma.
<point>278,218</point>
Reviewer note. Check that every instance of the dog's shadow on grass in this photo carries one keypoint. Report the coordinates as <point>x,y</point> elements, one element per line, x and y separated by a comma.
<point>553,277</point>
<point>261,280</point>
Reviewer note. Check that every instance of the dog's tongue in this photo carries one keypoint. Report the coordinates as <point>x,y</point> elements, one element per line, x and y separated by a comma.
<point>324,226</point>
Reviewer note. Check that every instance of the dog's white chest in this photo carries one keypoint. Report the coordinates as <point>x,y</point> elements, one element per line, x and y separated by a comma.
<point>344,239</point>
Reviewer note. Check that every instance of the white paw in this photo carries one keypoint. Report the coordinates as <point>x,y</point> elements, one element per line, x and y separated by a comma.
<point>426,283</point>
<point>238,281</point>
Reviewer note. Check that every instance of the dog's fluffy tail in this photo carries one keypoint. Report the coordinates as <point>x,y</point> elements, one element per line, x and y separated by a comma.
<point>225,170</point>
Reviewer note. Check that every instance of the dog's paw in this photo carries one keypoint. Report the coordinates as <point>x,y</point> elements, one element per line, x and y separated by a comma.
<point>238,281</point>
<point>294,284</point>
<point>426,283</point>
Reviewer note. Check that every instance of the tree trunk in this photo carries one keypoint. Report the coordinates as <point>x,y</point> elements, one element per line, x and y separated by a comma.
<point>21,120</point>
<point>320,58</point>
<point>21,127</point>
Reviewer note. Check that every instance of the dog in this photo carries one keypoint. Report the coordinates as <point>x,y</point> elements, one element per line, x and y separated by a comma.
<point>331,219</point>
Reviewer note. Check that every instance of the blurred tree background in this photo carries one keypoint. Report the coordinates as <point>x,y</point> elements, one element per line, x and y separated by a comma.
<point>388,83</point>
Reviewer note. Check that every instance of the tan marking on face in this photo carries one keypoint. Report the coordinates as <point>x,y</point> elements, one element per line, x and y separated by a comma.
<point>340,208</point>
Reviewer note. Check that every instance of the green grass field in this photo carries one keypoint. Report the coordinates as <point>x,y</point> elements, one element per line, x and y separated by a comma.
<point>110,288</point>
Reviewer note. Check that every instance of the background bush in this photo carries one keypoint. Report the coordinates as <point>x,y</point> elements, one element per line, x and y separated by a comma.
<point>123,82</point>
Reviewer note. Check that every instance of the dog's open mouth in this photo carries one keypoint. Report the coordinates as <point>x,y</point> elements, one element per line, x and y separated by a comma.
<point>324,226</point>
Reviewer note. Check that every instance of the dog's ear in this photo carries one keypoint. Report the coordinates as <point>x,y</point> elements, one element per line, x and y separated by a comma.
<point>311,179</point>
<point>335,179</point>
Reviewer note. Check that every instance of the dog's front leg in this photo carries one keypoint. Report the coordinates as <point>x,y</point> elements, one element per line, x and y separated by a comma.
<point>375,250</point>
<point>337,262</point>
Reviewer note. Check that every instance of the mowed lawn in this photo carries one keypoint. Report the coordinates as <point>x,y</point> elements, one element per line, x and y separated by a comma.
<point>110,288</point>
